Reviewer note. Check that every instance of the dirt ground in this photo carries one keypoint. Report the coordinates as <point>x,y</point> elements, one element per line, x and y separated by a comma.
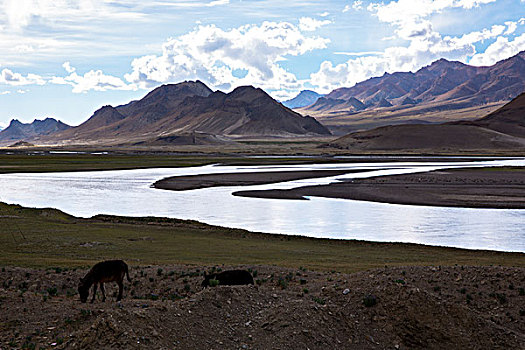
<point>165,307</point>
<point>474,188</point>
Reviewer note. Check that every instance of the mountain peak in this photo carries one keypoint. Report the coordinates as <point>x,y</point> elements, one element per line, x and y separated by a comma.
<point>303,99</point>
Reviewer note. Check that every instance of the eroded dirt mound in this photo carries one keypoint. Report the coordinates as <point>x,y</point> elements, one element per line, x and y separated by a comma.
<point>165,307</point>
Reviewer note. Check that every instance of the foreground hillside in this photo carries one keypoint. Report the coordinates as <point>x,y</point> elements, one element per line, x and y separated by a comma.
<point>165,307</point>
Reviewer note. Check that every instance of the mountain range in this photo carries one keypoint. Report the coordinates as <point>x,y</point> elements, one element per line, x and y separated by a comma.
<point>431,95</point>
<point>17,131</point>
<point>501,129</point>
<point>191,108</point>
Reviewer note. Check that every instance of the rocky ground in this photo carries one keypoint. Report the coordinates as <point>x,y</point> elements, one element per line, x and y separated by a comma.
<point>165,307</point>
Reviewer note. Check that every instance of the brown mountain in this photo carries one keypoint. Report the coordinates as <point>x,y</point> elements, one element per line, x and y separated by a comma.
<point>509,119</point>
<point>191,107</point>
<point>17,131</point>
<point>500,130</point>
<point>440,92</point>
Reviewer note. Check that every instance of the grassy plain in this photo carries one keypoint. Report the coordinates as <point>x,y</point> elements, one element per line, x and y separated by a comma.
<point>48,238</point>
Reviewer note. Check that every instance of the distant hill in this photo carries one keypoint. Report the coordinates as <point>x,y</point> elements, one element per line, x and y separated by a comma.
<point>439,92</point>
<point>17,131</point>
<point>502,129</point>
<point>303,99</point>
<point>509,119</point>
<point>191,107</point>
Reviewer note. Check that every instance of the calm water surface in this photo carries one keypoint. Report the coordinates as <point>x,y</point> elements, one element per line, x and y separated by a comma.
<point>128,192</point>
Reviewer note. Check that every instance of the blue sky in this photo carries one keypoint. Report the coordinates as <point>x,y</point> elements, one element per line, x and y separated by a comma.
<point>67,58</point>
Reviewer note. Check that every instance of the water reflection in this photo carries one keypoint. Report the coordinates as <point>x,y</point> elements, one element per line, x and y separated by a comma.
<point>128,192</point>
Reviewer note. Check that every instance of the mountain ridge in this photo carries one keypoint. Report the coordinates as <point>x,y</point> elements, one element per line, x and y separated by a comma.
<point>190,107</point>
<point>18,131</point>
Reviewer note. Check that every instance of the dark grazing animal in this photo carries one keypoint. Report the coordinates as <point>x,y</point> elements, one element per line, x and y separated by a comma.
<point>229,278</point>
<point>102,272</point>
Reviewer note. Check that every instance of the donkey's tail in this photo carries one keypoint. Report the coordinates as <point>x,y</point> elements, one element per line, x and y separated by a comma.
<point>127,273</point>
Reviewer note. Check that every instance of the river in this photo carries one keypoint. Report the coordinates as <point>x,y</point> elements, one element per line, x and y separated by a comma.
<point>129,193</point>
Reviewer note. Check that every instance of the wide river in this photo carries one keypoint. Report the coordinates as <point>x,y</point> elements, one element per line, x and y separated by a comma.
<point>129,193</point>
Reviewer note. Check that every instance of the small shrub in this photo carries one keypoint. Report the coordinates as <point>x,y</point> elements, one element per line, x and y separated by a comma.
<point>303,281</point>
<point>282,283</point>
<point>369,300</point>
<point>437,288</point>
<point>522,313</point>
<point>159,272</point>
<point>305,290</point>
<point>85,312</point>
<point>187,288</point>
<point>52,291</point>
<point>255,273</point>
<point>400,281</point>
<point>463,290</point>
<point>214,282</point>
<point>521,291</point>
<point>151,279</point>
<point>319,301</point>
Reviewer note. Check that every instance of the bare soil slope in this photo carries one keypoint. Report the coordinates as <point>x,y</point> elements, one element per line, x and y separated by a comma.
<point>165,307</point>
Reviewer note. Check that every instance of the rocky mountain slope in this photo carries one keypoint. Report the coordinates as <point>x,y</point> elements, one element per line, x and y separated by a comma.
<point>17,131</point>
<point>502,129</point>
<point>191,107</point>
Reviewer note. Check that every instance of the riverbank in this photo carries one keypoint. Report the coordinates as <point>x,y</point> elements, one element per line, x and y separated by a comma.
<point>192,182</point>
<point>502,188</point>
<point>426,297</point>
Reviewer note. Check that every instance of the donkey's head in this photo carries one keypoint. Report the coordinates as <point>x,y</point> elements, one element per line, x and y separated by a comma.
<point>83,290</point>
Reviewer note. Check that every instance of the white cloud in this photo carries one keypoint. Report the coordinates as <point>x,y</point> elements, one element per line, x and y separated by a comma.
<point>93,80</point>
<point>5,92</point>
<point>309,24</point>
<point>218,3</point>
<point>8,77</point>
<point>502,48</point>
<point>22,91</point>
<point>410,20</point>
<point>324,14</point>
<point>213,55</point>
<point>68,68</point>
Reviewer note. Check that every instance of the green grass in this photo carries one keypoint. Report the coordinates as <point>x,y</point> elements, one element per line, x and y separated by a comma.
<point>49,238</point>
<point>11,163</point>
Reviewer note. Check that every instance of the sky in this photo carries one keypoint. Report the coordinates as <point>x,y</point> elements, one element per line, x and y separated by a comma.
<point>67,58</point>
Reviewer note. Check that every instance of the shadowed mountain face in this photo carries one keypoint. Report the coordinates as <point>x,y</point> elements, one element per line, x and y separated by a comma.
<point>17,131</point>
<point>303,99</point>
<point>435,92</point>
<point>509,119</point>
<point>191,107</point>
<point>502,129</point>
